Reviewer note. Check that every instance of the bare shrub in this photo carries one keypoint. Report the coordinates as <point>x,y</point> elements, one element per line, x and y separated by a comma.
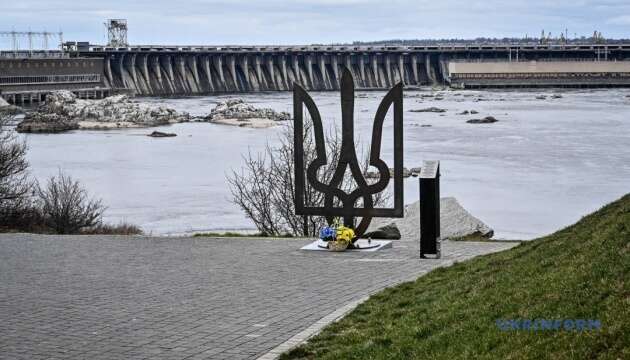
<point>14,183</point>
<point>16,210</point>
<point>66,207</point>
<point>23,217</point>
<point>62,207</point>
<point>264,188</point>
<point>122,228</point>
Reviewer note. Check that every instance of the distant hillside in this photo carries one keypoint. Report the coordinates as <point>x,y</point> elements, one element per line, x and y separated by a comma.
<point>482,40</point>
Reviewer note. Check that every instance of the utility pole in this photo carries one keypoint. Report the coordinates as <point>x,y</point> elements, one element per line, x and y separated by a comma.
<point>14,41</point>
<point>46,35</point>
<point>61,42</point>
<point>30,42</point>
<point>31,36</point>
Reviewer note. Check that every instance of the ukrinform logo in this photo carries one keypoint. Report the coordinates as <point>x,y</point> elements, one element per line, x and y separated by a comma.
<point>549,324</point>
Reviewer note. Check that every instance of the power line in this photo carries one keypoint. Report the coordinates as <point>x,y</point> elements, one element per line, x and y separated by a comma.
<point>45,36</point>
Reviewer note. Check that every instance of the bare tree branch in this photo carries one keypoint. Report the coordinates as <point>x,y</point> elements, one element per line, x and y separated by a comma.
<point>264,187</point>
<point>66,207</point>
<point>15,186</point>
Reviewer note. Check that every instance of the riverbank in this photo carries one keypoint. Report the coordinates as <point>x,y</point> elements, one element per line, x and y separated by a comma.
<point>576,274</point>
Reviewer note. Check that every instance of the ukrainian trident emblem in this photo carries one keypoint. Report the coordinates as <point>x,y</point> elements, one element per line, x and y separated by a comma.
<point>348,159</point>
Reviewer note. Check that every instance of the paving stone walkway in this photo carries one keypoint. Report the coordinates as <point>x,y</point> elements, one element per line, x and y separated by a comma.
<point>108,297</point>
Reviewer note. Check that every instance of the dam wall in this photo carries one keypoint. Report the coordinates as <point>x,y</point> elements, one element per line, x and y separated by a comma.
<point>539,73</point>
<point>185,73</point>
<point>190,70</point>
<point>28,80</point>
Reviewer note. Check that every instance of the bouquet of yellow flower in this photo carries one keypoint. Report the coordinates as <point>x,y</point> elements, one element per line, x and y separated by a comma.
<point>345,234</point>
<point>344,237</point>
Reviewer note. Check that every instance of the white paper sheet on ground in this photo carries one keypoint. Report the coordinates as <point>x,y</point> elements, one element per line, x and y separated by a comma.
<point>363,244</point>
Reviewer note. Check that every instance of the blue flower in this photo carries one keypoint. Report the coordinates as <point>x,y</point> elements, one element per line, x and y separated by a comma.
<point>327,233</point>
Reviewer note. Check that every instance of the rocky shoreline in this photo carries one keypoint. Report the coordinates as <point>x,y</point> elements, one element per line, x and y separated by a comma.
<point>237,112</point>
<point>63,111</point>
<point>8,109</point>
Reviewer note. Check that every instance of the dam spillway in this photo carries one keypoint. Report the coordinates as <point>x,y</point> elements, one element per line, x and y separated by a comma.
<point>185,73</point>
<point>186,70</point>
<point>95,71</point>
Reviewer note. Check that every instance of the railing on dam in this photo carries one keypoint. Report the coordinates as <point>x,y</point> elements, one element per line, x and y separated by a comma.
<point>49,79</point>
<point>534,76</point>
<point>38,54</point>
<point>352,48</point>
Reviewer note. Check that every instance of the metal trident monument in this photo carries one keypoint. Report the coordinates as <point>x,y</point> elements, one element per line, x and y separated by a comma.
<point>348,159</point>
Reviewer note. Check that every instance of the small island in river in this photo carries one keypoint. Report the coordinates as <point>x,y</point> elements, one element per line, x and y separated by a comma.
<point>63,111</point>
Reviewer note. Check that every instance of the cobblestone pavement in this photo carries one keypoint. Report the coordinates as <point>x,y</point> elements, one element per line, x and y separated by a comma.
<point>108,297</point>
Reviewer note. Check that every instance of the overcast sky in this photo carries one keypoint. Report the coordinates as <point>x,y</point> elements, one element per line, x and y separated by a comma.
<point>313,21</point>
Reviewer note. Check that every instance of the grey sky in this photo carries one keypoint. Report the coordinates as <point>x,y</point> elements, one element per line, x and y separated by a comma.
<point>313,21</point>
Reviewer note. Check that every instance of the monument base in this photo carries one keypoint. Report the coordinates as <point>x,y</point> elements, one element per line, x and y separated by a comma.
<point>363,245</point>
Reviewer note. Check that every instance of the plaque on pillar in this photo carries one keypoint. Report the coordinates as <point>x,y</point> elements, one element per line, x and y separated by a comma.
<point>430,209</point>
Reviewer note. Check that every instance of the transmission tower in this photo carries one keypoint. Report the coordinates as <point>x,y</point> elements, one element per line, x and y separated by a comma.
<point>117,32</point>
<point>31,37</point>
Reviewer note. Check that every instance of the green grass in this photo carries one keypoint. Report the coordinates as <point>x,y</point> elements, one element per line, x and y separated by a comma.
<point>581,272</point>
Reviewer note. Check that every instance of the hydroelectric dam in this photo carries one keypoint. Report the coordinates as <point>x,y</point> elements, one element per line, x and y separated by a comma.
<point>181,70</point>
<point>94,71</point>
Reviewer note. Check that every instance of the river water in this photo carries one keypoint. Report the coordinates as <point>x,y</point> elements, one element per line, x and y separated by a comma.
<point>545,163</point>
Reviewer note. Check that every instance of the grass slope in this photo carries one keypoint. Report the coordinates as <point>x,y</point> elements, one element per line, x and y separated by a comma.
<point>581,272</point>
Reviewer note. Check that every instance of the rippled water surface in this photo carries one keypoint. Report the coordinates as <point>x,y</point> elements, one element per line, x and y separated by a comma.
<point>545,163</point>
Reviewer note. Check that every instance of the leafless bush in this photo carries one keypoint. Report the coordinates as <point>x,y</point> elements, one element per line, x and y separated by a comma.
<point>15,186</point>
<point>24,217</point>
<point>264,188</point>
<point>66,206</point>
<point>62,206</point>
<point>122,228</point>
